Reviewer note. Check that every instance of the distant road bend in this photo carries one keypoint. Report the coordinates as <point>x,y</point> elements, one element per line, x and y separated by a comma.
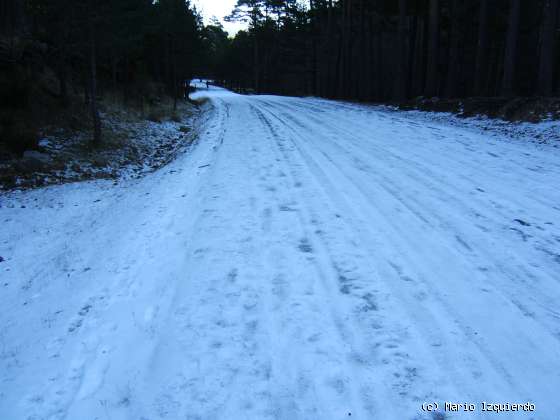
<point>308,259</point>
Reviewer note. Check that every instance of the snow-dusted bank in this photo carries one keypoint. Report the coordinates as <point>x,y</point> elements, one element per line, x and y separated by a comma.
<point>306,260</point>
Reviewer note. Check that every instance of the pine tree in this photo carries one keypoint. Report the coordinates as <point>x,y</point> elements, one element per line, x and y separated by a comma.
<point>547,48</point>
<point>510,54</point>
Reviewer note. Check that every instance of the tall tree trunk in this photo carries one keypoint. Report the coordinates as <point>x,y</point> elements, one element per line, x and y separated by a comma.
<point>326,56</point>
<point>453,64</point>
<point>93,77</point>
<point>546,62</point>
<point>4,18</point>
<point>312,81</point>
<point>256,58</point>
<point>510,54</point>
<point>114,71</point>
<point>313,77</point>
<point>379,79</point>
<point>360,74</point>
<point>175,83</point>
<point>344,64</point>
<point>432,76</point>
<point>481,66</point>
<point>349,68</point>
<point>86,84</point>
<point>399,89</point>
<point>63,39</point>
<point>419,65</point>
<point>12,17</point>
<point>63,81</point>
<point>330,51</point>
<point>167,62</point>
<point>412,33</point>
<point>127,80</point>
<point>368,82</point>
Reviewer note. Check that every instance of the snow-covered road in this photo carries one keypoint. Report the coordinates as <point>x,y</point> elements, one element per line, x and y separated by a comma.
<point>306,260</point>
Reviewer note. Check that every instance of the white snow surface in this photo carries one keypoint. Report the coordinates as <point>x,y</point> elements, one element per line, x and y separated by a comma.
<point>307,259</point>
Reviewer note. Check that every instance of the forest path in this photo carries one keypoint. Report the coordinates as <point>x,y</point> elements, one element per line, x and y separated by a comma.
<point>306,260</point>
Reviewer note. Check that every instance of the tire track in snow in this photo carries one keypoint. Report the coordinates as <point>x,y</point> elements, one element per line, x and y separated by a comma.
<point>404,370</point>
<point>448,223</point>
<point>483,351</point>
<point>325,267</point>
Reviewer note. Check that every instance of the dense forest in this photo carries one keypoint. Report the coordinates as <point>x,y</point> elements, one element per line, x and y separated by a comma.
<point>379,50</point>
<point>55,53</point>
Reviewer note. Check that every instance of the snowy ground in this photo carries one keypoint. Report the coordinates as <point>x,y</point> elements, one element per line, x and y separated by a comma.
<point>305,260</point>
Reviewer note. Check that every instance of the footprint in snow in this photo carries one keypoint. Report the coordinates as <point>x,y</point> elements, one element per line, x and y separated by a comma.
<point>84,311</point>
<point>305,246</point>
<point>287,208</point>
<point>232,275</point>
<point>523,235</point>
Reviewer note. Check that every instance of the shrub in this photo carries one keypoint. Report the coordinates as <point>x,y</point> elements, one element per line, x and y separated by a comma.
<point>17,135</point>
<point>155,115</point>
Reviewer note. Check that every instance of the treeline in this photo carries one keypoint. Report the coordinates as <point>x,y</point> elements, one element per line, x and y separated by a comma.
<point>95,46</point>
<point>392,50</point>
